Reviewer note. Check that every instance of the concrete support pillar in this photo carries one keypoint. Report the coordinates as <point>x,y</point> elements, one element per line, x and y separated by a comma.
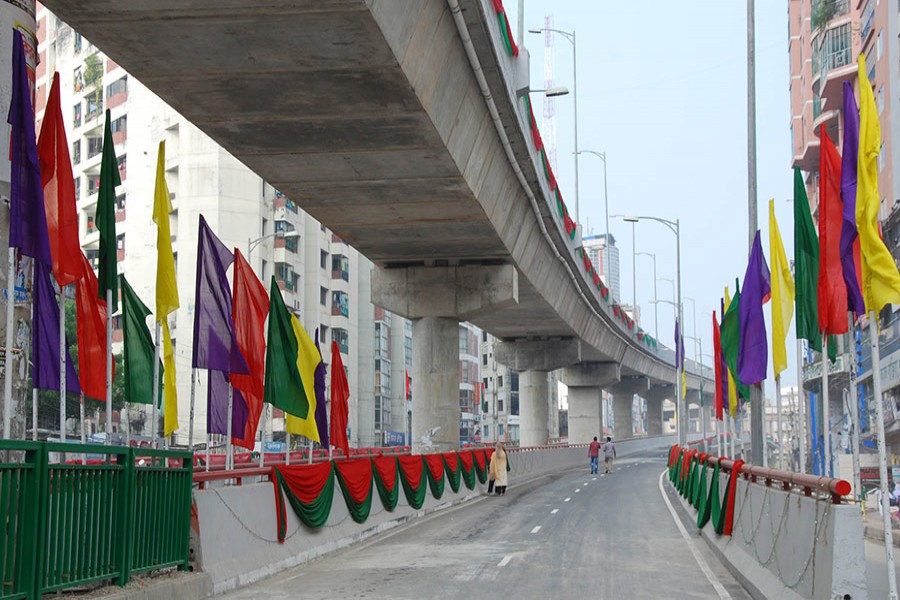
<point>435,380</point>
<point>534,414</point>
<point>654,416</point>
<point>622,415</point>
<point>585,420</point>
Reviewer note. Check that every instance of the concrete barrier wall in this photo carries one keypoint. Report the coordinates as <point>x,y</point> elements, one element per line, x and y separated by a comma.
<point>238,544</point>
<point>787,545</point>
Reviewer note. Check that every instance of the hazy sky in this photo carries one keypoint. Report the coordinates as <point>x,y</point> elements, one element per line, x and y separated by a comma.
<point>662,89</point>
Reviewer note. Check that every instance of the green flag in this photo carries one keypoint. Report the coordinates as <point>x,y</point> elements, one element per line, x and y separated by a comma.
<point>806,267</point>
<point>139,348</point>
<point>283,384</point>
<point>105,219</point>
<point>731,339</point>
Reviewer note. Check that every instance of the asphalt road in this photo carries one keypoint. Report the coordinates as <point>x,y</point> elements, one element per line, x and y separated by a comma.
<point>572,535</point>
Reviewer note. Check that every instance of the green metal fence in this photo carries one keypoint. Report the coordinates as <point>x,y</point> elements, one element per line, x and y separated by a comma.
<point>66,525</point>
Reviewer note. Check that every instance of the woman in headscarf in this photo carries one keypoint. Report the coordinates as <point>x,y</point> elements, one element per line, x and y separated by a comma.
<point>497,469</point>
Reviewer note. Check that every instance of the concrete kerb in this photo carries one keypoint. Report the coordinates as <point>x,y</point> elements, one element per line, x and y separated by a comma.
<point>770,553</point>
<point>237,533</point>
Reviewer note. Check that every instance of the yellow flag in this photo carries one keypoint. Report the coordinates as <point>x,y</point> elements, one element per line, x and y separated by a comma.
<point>880,279</point>
<point>732,385</point>
<point>782,293</point>
<point>169,394</point>
<point>308,358</point>
<point>166,288</point>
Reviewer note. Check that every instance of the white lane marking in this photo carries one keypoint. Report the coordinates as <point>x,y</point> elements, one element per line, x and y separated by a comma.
<point>554,511</point>
<point>710,576</point>
<point>536,529</point>
<point>584,484</point>
<point>577,490</point>
<point>594,479</point>
<point>567,499</point>
<point>505,560</point>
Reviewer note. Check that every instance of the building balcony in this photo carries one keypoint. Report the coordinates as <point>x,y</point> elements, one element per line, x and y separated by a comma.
<point>832,121</point>
<point>838,376</point>
<point>808,159</point>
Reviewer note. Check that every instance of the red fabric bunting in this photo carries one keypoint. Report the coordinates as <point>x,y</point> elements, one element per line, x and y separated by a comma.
<point>732,488</point>
<point>451,460</point>
<point>306,481</point>
<point>412,469</point>
<point>435,466</point>
<point>466,459</point>
<point>386,468</point>
<point>357,476</point>
<point>480,459</point>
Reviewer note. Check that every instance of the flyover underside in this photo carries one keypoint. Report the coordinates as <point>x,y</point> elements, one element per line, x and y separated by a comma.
<point>368,115</point>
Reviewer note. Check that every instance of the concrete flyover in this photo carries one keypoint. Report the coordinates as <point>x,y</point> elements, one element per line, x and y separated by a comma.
<point>399,125</point>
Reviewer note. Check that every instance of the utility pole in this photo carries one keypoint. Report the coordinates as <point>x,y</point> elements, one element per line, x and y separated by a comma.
<point>756,405</point>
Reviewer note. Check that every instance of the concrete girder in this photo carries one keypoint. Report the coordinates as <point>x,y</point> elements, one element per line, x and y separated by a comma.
<point>459,292</point>
<point>538,355</point>
<point>591,374</point>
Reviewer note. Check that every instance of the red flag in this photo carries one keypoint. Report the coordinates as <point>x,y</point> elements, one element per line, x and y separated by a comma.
<point>340,394</point>
<point>832,291</point>
<point>408,386</point>
<point>717,358</point>
<point>59,191</point>
<point>91,334</point>
<point>250,304</point>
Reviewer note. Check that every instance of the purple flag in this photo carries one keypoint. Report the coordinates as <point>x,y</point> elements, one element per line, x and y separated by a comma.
<point>677,347</point>
<point>753,354</point>
<point>45,338</point>
<point>27,219</point>
<point>855,300</point>
<point>215,343</point>
<point>321,409</point>
<point>217,407</point>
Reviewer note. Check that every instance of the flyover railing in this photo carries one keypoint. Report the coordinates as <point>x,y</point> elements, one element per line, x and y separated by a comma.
<point>70,524</point>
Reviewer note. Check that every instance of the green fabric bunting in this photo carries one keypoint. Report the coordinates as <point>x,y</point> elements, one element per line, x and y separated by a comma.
<point>468,477</point>
<point>723,508</point>
<point>390,498</point>
<point>452,476</point>
<point>481,469</point>
<point>700,491</point>
<point>359,511</point>
<point>415,497</point>
<point>711,506</point>
<point>315,513</point>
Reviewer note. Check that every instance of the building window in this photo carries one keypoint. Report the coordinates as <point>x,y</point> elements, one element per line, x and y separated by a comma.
<point>340,304</point>
<point>340,267</point>
<point>78,78</point>
<point>77,183</point>
<point>76,115</point>
<point>119,125</point>
<point>323,296</point>
<point>122,163</point>
<point>76,152</point>
<point>880,46</point>
<point>323,259</point>
<point>881,100</point>
<point>94,146</point>
<point>119,86</point>
<point>120,202</point>
<point>78,40</point>
<point>93,106</point>
<point>120,242</point>
<point>342,337</point>
<point>484,359</point>
<point>500,381</point>
<point>93,184</point>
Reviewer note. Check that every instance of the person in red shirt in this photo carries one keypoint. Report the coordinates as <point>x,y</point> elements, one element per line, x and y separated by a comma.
<point>594,454</point>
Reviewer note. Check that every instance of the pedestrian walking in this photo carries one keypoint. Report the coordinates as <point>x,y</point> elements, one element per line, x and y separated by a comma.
<point>609,453</point>
<point>594,455</point>
<point>497,469</point>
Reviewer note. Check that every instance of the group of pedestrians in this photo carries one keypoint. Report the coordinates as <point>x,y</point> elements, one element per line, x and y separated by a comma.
<point>609,453</point>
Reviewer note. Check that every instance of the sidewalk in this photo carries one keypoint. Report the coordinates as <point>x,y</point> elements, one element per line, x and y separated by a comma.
<point>873,528</point>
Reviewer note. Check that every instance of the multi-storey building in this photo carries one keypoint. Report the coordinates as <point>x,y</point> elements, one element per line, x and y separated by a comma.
<point>604,255</point>
<point>826,38</point>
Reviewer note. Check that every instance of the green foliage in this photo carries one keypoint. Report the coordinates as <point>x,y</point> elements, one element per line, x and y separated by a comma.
<point>823,11</point>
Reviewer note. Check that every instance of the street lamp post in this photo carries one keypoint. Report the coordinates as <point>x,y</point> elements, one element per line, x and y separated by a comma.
<point>602,156</point>
<point>570,37</point>
<point>674,227</point>
<point>655,296</point>
<point>251,244</point>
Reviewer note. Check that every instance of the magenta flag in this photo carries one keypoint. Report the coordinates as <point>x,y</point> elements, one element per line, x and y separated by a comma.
<point>753,355</point>
<point>215,342</point>
<point>27,219</point>
<point>848,245</point>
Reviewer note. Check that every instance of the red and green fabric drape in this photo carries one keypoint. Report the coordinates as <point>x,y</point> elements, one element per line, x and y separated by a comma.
<point>505,31</point>
<point>688,473</point>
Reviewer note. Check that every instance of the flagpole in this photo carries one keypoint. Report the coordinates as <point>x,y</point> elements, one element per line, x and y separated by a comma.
<point>826,408</point>
<point>854,404</point>
<point>778,420</point>
<point>801,407</point>
<point>109,335</point>
<point>81,416</point>
<point>62,366</point>
<point>34,424</point>
<point>882,459</point>
<point>725,433</point>
<point>191,426</point>
<point>154,429</point>
<point>310,451</point>
<point>8,365</point>
<point>229,450</point>
<point>262,435</point>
